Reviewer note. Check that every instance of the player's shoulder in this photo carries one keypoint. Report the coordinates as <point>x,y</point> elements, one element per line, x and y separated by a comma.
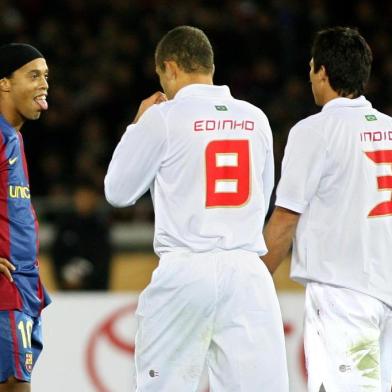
<point>311,128</point>
<point>382,116</point>
<point>163,109</point>
<point>309,122</point>
<point>250,108</point>
<point>153,115</point>
<point>3,135</point>
<point>6,132</point>
<point>7,136</point>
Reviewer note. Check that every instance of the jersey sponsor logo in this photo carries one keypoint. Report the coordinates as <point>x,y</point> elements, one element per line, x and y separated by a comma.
<point>19,192</point>
<point>370,117</point>
<point>11,161</point>
<point>376,136</point>
<point>223,125</point>
<point>221,108</point>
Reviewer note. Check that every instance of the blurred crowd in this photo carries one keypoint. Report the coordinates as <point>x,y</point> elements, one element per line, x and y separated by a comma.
<point>101,59</point>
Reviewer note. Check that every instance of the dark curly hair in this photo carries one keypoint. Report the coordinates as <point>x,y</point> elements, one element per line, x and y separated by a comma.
<point>189,47</point>
<point>346,57</point>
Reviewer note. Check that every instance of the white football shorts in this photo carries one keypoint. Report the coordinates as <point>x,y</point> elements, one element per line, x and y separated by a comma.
<point>217,309</point>
<point>348,340</point>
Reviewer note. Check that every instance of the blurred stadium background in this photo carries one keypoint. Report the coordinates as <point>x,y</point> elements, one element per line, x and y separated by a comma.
<point>100,55</point>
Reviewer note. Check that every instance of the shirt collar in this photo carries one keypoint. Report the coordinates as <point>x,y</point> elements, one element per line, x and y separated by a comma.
<point>204,90</point>
<point>347,102</point>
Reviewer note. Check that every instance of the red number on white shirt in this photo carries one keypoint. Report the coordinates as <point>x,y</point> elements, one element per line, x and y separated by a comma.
<point>383,182</point>
<point>227,173</point>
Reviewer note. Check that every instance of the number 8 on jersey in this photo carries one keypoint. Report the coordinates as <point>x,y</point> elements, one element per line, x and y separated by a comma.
<point>227,173</point>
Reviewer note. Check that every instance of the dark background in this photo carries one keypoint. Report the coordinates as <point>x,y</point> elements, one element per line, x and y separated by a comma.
<point>101,59</point>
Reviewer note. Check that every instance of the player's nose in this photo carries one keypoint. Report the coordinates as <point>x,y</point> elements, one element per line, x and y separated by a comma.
<point>44,85</point>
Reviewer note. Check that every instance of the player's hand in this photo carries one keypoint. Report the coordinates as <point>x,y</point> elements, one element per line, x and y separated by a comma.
<point>155,98</point>
<point>6,268</point>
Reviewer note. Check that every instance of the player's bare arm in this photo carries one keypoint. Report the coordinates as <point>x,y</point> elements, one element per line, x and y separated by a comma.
<point>278,235</point>
<point>156,98</point>
<point>14,385</point>
<point>6,268</point>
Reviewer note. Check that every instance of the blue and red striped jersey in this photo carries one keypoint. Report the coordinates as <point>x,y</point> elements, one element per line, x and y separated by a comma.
<point>18,228</point>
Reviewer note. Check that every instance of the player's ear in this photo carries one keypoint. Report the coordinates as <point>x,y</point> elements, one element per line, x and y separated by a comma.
<point>323,73</point>
<point>5,85</point>
<point>171,69</point>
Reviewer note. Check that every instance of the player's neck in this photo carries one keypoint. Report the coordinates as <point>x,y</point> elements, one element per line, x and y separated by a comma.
<point>12,117</point>
<point>329,95</point>
<point>197,79</point>
<point>186,79</point>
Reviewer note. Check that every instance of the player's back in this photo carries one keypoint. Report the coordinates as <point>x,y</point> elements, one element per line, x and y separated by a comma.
<point>348,225</point>
<point>213,186</point>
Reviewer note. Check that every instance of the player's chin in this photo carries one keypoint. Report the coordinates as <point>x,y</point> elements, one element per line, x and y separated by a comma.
<point>35,115</point>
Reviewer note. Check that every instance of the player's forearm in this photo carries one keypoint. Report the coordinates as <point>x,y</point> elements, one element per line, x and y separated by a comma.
<point>278,235</point>
<point>125,181</point>
<point>115,192</point>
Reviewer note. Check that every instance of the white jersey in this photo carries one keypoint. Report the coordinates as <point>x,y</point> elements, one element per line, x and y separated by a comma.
<point>337,172</point>
<point>208,161</point>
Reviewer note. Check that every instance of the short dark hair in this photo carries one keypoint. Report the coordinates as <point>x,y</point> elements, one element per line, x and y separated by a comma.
<point>347,59</point>
<point>189,47</point>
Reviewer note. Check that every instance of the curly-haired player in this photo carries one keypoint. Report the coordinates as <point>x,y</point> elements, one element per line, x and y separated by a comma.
<point>23,91</point>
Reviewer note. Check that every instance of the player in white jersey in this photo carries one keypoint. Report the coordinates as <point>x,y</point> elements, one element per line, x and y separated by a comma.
<point>334,198</point>
<point>207,159</point>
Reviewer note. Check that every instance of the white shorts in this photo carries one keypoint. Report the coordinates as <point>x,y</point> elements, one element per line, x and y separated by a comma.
<point>218,309</point>
<point>348,340</point>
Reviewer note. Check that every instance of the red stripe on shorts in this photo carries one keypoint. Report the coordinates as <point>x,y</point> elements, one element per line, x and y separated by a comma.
<point>19,375</point>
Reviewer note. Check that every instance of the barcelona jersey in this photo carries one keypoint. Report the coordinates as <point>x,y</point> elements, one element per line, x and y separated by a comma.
<point>18,228</point>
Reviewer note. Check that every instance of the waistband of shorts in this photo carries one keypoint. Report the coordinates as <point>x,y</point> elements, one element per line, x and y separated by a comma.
<point>184,251</point>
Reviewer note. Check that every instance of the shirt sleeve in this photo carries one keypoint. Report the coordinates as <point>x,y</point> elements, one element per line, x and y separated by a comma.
<point>302,168</point>
<point>136,159</point>
<point>269,172</point>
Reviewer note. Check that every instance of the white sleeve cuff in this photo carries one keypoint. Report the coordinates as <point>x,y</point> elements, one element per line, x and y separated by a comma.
<point>290,204</point>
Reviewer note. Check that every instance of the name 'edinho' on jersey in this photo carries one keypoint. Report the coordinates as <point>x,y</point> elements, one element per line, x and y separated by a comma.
<point>208,161</point>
